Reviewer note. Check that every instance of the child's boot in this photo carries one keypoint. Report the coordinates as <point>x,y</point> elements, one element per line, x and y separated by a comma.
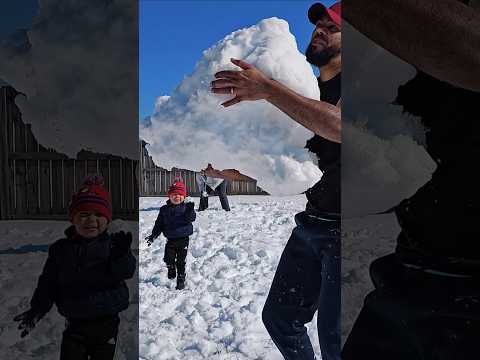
<point>180,282</point>
<point>172,273</point>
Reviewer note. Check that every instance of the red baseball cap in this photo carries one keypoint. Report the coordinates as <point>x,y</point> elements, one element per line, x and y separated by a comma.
<point>318,10</point>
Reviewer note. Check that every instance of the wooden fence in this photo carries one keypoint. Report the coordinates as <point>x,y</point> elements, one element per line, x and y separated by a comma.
<point>156,180</point>
<point>37,183</point>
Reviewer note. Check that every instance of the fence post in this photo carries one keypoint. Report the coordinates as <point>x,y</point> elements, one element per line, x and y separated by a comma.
<point>5,206</point>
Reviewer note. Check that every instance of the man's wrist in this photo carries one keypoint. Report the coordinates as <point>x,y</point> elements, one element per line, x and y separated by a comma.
<point>272,88</point>
<point>277,93</point>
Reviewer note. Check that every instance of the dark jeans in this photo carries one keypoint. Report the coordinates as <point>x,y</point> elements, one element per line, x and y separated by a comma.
<point>221,190</point>
<point>176,253</point>
<point>307,279</point>
<point>91,339</point>
<point>416,315</point>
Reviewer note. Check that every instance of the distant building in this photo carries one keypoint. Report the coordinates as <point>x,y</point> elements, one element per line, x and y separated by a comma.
<point>155,180</point>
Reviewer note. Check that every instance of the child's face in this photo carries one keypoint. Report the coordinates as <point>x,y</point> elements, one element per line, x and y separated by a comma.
<point>90,224</point>
<point>176,198</point>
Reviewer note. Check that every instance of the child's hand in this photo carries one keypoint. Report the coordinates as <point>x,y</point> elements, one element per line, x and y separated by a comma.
<point>121,243</point>
<point>28,320</point>
<point>149,239</point>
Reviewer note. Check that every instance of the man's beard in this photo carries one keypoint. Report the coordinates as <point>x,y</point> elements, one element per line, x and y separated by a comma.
<point>320,58</point>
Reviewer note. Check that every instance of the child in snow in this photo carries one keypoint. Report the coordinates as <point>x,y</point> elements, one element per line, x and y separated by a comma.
<point>175,221</point>
<point>84,275</point>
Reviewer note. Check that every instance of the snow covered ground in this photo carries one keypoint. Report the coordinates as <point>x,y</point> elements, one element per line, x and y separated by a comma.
<point>231,262</point>
<point>230,265</point>
<point>22,256</point>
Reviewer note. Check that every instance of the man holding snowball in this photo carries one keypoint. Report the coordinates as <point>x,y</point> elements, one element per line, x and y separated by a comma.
<point>308,274</point>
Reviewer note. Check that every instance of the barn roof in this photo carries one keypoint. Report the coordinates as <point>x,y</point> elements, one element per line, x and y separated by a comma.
<point>230,174</point>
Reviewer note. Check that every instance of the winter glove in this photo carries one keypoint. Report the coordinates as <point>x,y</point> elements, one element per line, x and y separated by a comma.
<point>121,243</point>
<point>28,320</point>
<point>150,239</point>
<point>190,206</point>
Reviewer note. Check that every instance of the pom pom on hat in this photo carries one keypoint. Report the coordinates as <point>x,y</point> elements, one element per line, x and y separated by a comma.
<point>178,187</point>
<point>94,180</point>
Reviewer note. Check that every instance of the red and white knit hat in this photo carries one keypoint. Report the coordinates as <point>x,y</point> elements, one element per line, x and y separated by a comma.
<point>178,187</point>
<point>91,197</point>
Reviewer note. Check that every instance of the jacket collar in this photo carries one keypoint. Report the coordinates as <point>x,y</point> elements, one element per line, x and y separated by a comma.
<point>169,203</point>
<point>72,234</point>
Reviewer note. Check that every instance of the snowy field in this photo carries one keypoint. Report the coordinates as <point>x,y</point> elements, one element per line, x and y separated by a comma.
<point>230,265</point>
<point>22,256</point>
<point>231,262</point>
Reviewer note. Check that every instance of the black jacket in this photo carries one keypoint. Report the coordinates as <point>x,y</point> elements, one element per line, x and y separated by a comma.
<point>175,221</point>
<point>85,277</point>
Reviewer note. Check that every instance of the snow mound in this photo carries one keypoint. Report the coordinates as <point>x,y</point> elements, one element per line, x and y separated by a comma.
<point>190,128</point>
<point>75,99</point>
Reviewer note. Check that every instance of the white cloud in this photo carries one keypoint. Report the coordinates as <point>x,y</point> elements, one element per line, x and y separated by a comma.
<point>79,75</point>
<point>190,128</point>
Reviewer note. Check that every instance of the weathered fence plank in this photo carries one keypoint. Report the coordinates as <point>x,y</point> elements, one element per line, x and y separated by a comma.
<point>37,183</point>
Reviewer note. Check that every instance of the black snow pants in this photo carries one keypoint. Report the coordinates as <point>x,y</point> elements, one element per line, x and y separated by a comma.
<point>176,254</point>
<point>416,315</point>
<point>90,339</point>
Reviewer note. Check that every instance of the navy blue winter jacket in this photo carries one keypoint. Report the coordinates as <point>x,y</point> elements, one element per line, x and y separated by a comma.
<point>175,221</point>
<point>85,277</point>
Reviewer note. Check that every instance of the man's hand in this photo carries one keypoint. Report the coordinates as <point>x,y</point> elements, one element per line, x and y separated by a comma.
<point>250,83</point>
<point>246,84</point>
<point>149,239</point>
<point>28,320</point>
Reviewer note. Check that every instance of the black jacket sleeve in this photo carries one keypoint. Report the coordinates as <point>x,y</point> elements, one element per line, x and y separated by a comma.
<point>122,262</point>
<point>45,294</point>
<point>158,227</point>
<point>123,267</point>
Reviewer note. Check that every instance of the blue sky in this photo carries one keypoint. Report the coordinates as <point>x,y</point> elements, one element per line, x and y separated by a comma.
<point>17,15</point>
<point>173,35</point>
